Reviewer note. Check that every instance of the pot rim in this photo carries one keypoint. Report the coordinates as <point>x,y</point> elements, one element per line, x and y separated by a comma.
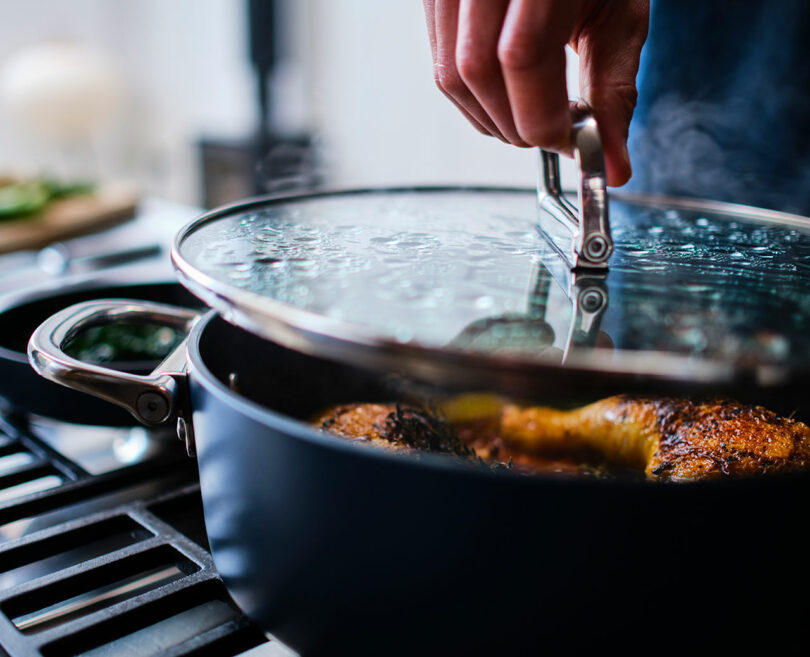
<point>301,430</point>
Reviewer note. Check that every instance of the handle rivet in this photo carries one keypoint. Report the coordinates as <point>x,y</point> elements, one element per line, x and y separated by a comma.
<point>592,300</point>
<point>596,248</point>
<point>152,407</point>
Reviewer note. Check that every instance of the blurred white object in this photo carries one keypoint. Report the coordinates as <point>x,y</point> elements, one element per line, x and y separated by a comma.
<point>61,90</point>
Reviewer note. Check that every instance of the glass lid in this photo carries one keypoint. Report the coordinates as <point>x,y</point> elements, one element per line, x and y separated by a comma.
<point>460,284</point>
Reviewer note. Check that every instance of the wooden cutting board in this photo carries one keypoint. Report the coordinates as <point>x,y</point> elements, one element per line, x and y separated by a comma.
<point>62,219</point>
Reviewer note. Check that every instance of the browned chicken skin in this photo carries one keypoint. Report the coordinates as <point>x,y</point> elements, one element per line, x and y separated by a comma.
<point>668,438</point>
<point>394,427</point>
<point>364,422</point>
<point>476,438</point>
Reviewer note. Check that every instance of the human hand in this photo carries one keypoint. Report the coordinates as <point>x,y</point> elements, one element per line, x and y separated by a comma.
<point>502,63</point>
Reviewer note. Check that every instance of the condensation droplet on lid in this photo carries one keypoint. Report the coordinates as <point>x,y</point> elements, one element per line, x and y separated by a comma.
<point>403,334</point>
<point>272,263</point>
<point>302,263</point>
<point>667,265</point>
<point>521,235</point>
<point>696,287</point>
<point>484,303</point>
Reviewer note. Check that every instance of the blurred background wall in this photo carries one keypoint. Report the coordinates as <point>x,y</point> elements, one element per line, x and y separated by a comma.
<point>352,76</point>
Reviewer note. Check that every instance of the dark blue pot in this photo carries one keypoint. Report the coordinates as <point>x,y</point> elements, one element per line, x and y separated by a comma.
<point>338,548</point>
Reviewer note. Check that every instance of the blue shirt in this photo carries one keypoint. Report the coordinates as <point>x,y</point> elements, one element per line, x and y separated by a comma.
<point>724,103</point>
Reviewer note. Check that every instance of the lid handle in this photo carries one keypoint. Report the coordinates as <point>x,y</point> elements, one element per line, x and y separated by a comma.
<point>581,236</point>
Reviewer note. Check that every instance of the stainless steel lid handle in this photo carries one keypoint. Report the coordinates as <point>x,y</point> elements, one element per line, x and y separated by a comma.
<point>154,398</point>
<point>581,236</point>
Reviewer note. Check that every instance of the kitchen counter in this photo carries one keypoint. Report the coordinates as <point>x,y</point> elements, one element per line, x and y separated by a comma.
<point>139,248</point>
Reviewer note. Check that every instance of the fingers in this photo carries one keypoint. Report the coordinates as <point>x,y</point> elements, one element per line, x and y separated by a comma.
<point>479,28</point>
<point>531,51</point>
<point>502,62</point>
<point>445,71</point>
<point>609,48</point>
<point>430,20</point>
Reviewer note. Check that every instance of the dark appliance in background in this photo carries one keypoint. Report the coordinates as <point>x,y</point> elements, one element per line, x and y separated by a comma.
<point>269,160</point>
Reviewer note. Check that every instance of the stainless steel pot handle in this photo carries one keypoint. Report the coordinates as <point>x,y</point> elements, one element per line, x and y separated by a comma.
<point>152,399</point>
<point>581,236</point>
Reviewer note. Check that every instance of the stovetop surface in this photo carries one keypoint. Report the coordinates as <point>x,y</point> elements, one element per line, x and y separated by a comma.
<point>103,549</point>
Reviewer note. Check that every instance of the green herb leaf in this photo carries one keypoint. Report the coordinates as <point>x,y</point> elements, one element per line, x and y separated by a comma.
<point>23,198</point>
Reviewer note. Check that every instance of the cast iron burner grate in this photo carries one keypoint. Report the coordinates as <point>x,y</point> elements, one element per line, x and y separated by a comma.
<point>108,564</point>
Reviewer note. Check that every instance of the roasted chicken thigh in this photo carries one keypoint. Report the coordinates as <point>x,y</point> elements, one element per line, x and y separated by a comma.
<point>668,438</point>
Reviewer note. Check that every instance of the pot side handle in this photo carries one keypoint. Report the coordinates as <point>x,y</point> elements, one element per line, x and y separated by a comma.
<point>152,399</point>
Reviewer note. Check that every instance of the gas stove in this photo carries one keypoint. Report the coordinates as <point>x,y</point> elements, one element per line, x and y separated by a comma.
<point>103,548</point>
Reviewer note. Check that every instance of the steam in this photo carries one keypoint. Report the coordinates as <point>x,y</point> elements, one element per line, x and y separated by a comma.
<point>712,150</point>
<point>294,164</point>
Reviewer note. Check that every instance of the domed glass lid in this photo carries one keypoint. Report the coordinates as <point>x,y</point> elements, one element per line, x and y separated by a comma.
<point>431,280</point>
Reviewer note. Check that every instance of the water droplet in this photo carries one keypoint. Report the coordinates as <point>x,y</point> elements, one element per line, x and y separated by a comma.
<point>483,303</point>
<point>435,267</point>
<point>403,334</point>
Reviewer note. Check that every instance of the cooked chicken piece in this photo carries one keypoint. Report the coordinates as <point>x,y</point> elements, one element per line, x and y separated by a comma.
<point>473,433</point>
<point>666,437</point>
<point>364,422</point>
<point>669,438</point>
<point>394,427</point>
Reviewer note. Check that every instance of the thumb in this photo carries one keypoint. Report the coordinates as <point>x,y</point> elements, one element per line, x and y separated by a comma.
<point>609,50</point>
